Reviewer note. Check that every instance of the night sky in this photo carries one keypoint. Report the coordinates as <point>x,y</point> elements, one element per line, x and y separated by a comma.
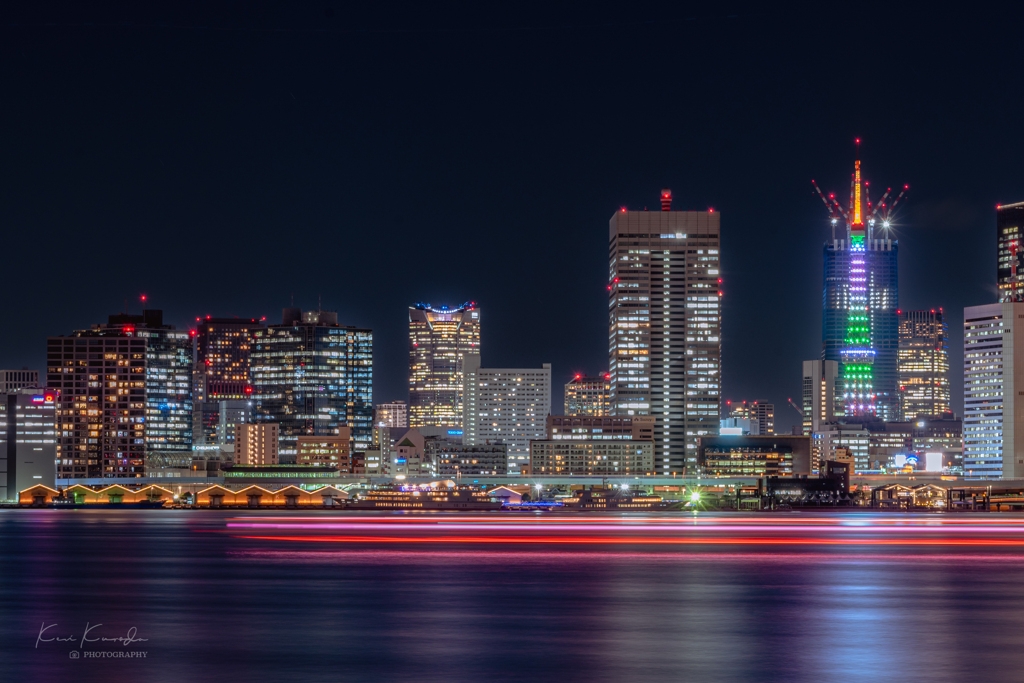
<point>224,160</point>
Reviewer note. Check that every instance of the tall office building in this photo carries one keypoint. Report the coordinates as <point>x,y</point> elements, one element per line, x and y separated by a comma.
<point>28,441</point>
<point>12,380</point>
<point>822,394</point>
<point>664,336</point>
<point>505,405</point>
<point>861,297</point>
<point>993,381</point>
<point>1010,251</point>
<point>222,357</point>
<point>439,340</point>
<point>312,376</point>
<point>589,395</point>
<point>125,397</point>
<point>394,414</point>
<point>923,364</point>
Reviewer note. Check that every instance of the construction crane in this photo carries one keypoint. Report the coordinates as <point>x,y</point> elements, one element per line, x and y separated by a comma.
<point>880,211</point>
<point>795,407</point>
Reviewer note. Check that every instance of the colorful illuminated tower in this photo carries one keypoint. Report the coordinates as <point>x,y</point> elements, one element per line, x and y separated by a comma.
<point>861,300</point>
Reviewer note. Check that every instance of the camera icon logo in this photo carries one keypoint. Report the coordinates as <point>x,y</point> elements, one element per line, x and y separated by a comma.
<point>73,654</point>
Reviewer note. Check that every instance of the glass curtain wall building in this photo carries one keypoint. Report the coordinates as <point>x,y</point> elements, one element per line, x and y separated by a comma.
<point>312,376</point>
<point>1010,251</point>
<point>439,341</point>
<point>664,332</point>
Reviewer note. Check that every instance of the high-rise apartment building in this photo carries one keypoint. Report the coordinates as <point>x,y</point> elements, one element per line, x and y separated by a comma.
<point>505,405</point>
<point>993,382</point>
<point>822,394</point>
<point>589,395</point>
<point>439,340</point>
<point>223,346</point>
<point>28,441</point>
<point>12,380</point>
<point>664,336</point>
<point>1010,251</point>
<point>861,297</point>
<point>257,444</point>
<point>312,377</point>
<point>125,397</point>
<point>393,414</point>
<point>923,364</point>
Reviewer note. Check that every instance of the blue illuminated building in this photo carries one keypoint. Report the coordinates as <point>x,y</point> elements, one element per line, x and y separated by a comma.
<point>312,376</point>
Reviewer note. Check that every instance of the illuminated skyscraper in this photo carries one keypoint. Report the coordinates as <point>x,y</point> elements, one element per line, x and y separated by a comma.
<point>923,365</point>
<point>664,320</point>
<point>588,395</point>
<point>861,297</point>
<point>1010,251</point>
<point>439,340</point>
<point>125,402</point>
<point>312,377</point>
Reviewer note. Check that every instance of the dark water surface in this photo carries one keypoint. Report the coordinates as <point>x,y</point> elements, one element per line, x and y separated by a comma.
<point>275,596</point>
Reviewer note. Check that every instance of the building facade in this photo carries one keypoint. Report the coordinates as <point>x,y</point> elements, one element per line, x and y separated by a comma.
<point>1010,251</point>
<point>439,340</point>
<point>992,381</point>
<point>506,405</point>
<point>28,440</point>
<point>589,395</point>
<point>822,394</point>
<point>923,364</point>
<point>257,444</point>
<point>755,456</point>
<point>125,403</point>
<point>12,380</point>
<point>327,451</point>
<point>455,460</point>
<point>312,377</point>
<point>223,346</point>
<point>578,445</point>
<point>664,335</point>
<point>393,414</point>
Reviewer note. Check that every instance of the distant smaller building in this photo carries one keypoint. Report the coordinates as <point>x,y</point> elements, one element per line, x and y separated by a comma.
<point>332,451</point>
<point>754,456</point>
<point>596,446</point>
<point>589,395</point>
<point>28,442</point>
<point>393,414</point>
<point>12,380</point>
<point>408,456</point>
<point>454,459</point>
<point>257,444</point>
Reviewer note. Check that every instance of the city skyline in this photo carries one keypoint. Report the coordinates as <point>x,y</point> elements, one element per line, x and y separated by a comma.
<point>198,175</point>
